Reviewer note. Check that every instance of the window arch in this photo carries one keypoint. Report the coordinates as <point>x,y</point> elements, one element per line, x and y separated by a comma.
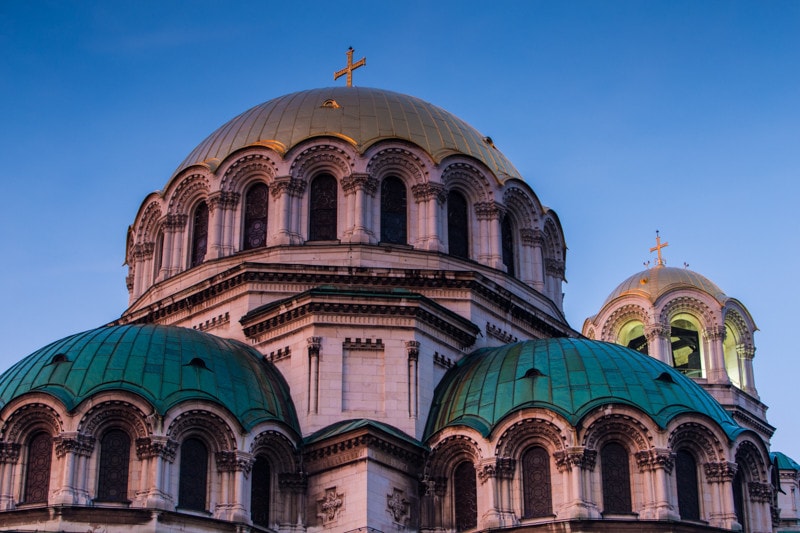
<point>256,209</point>
<point>465,496</point>
<point>729,349</point>
<point>687,348</point>
<point>260,492</point>
<point>632,336</point>
<point>37,470</point>
<point>536,489</point>
<point>457,224</point>
<point>193,477</point>
<point>616,477</point>
<point>322,217</point>
<point>199,234</point>
<point>394,211</point>
<point>507,240</point>
<point>112,479</point>
<point>686,478</point>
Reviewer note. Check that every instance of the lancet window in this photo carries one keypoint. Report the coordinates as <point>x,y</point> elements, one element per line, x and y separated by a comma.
<point>322,218</point>
<point>37,471</point>
<point>193,475</point>
<point>616,477</point>
<point>394,211</point>
<point>115,452</point>
<point>465,496</point>
<point>688,493</point>
<point>255,216</point>
<point>199,234</point>
<point>260,492</point>
<point>457,224</point>
<point>507,238</point>
<point>537,491</point>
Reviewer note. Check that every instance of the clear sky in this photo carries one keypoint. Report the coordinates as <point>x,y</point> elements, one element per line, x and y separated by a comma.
<point>624,117</point>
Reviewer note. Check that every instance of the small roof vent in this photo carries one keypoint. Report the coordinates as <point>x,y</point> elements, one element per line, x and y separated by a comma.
<point>330,103</point>
<point>665,377</point>
<point>533,373</point>
<point>198,363</point>
<point>59,358</point>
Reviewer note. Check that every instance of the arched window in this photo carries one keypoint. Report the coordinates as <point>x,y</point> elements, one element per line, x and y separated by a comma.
<point>729,346</point>
<point>199,234</point>
<point>739,487</point>
<point>457,224</point>
<point>507,238</point>
<point>394,214</point>
<point>158,254</point>
<point>37,471</point>
<point>255,216</point>
<point>193,475</point>
<point>465,496</point>
<point>260,492</point>
<point>615,470</point>
<point>686,476</point>
<point>537,493</point>
<point>115,453</point>
<point>322,217</point>
<point>632,336</point>
<point>687,351</point>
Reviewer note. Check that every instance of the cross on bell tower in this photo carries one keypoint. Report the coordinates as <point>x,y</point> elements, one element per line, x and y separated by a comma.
<point>657,248</point>
<point>350,67</point>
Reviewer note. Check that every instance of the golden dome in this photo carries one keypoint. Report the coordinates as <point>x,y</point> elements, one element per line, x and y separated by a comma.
<point>655,282</point>
<point>358,115</point>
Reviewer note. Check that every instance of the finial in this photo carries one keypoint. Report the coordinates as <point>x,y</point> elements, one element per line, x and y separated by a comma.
<point>350,67</point>
<point>657,248</point>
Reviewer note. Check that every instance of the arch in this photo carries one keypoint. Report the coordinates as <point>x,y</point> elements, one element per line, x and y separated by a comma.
<point>117,413</point>
<point>458,234</point>
<point>686,479</point>
<point>199,234</point>
<point>528,432</point>
<point>205,425</point>
<point>260,491</point>
<point>246,164</point>
<point>691,306</point>
<point>323,208</point>
<point>193,474</point>
<point>397,161</point>
<point>158,254</point>
<point>188,190</point>
<point>616,478</point>
<point>621,428</point>
<point>465,496</point>
<point>394,211</point>
<point>326,158</point>
<point>113,466</point>
<point>29,419</point>
<point>616,321</point>
<point>537,494</point>
<point>688,352</point>
<point>704,444</point>
<point>149,221</point>
<point>37,468</point>
<point>469,180</point>
<point>523,204</point>
<point>256,212</point>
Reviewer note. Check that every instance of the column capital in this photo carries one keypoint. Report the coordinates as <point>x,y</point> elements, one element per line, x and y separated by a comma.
<point>720,472</point>
<point>358,181</point>
<point>655,458</point>
<point>760,492</point>
<point>489,210</point>
<point>9,452</point>
<point>426,191</point>
<point>577,456</point>
<point>531,236</point>
<point>75,443</point>
<point>234,461</point>
<point>294,482</point>
<point>163,447</point>
<point>714,333</point>
<point>287,185</point>
<point>175,222</point>
<point>314,344</point>
<point>745,351</point>
<point>412,347</point>
<point>657,331</point>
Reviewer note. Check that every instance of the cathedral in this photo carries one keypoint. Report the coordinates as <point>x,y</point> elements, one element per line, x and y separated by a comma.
<point>345,315</point>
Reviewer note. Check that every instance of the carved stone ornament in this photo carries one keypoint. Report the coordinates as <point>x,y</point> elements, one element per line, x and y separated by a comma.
<point>576,457</point>
<point>655,458</point>
<point>75,443</point>
<point>489,210</point>
<point>9,452</point>
<point>720,471</point>
<point>531,237</point>
<point>412,348</point>
<point>314,344</point>
<point>288,185</point>
<point>363,182</point>
<point>163,447</point>
<point>397,506</point>
<point>425,191</point>
<point>329,505</point>
<point>760,492</point>
<point>234,461</point>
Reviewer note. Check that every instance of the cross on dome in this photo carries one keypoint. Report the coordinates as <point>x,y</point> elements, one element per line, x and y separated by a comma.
<point>350,67</point>
<point>657,248</point>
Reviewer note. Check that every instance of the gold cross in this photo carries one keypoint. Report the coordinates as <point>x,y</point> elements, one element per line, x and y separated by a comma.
<point>658,248</point>
<point>350,67</point>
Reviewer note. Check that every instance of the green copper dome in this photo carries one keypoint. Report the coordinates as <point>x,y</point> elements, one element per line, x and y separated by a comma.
<point>166,365</point>
<point>357,115</point>
<point>569,376</point>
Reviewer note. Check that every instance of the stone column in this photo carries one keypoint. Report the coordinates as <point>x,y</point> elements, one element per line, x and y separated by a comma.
<point>657,465</point>
<point>720,476</point>
<point>358,190</point>
<point>430,197</point>
<point>9,456</point>
<point>532,272</point>
<point>234,467</point>
<point>174,228</point>
<point>760,500</point>
<point>73,449</point>
<point>156,452</point>
<point>142,254</point>
<point>576,463</point>
<point>293,485</point>
<point>715,362</point>
<point>287,191</point>
<point>412,347</point>
<point>746,354</point>
<point>489,215</point>
<point>431,508</point>
<point>659,344</point>
<point>314,344</point>
<point>490,495</point>
<point>216,206</point>
<point>555,275</point>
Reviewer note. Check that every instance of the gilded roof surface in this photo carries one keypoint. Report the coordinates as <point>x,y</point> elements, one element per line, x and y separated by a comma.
<point>359,115</point>
<point>656,281</point>
<point>166,365</point>
<point>568,376</point>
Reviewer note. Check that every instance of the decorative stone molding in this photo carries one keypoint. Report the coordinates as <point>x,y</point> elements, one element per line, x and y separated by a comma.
<point>223,200</point>
<point>329,505</point>
<point>760,492</point>
<point>211,425</point>
<point>523,206</point>
<point>247,166</point>
<point>699,438</point>
<point>577,457</point>
<point>396,158</point>
<point>442,360</point>
<point>745,352</point>
<point>287,185</point>
<point>555,267</point>
<point>175,222</point>
<point>434,486</point>
<point>531,237</point>
<point>114,412</point>
<point>9,452</point>
<point>30,416</point>
<point>451,450</point>
<point>398,506</point>
<point>720,472</point>
<point>655,458</point>
<point>314,344</point>
<point>279,354</point>
<point>293,482</point>
<point>749,458</point>
<point>366,344</point>
<point>364,182</point>
<point>74,443</point>
<point>156,447</point>
<point>469,177</point>
<point>423,192</point>
<point>688,304</point>
<point>143,251</point>
<point>529,431</point>
<point>189,188</point>
<point>234,461</point>
<point>714,333</point>
<point>626,427</point>
<point>489,211</point>
<point>621,316</point>
<point>500,334</point>
<point>149,221</point>
<point>318,157</point>
<point>412,348</point>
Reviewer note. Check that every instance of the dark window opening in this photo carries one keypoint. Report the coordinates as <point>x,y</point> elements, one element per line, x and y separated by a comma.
<point>688,494</point>
<point>394,215</point>
<point>115,451</point>
<point>457,225</point>
<point>255,216</point>
<point>37,472</point>
<point>616,479</point>
<point>465,493</point>
<point>199,234</point>
<point>323,209</point>
<point>260,492</point>
<point>193,475</point>
<point>507,237</point>
<point>537,492</point>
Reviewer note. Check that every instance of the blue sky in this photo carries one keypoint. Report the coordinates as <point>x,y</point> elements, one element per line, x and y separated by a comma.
<point>624,117</point>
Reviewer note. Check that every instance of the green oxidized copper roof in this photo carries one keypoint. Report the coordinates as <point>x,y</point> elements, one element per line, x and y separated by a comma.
<point>656,281</point>
<point>784,462</point>
<point>569,376</point>
<point>359,115</point>
<point>166,365</point>
<point>345,426</point>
